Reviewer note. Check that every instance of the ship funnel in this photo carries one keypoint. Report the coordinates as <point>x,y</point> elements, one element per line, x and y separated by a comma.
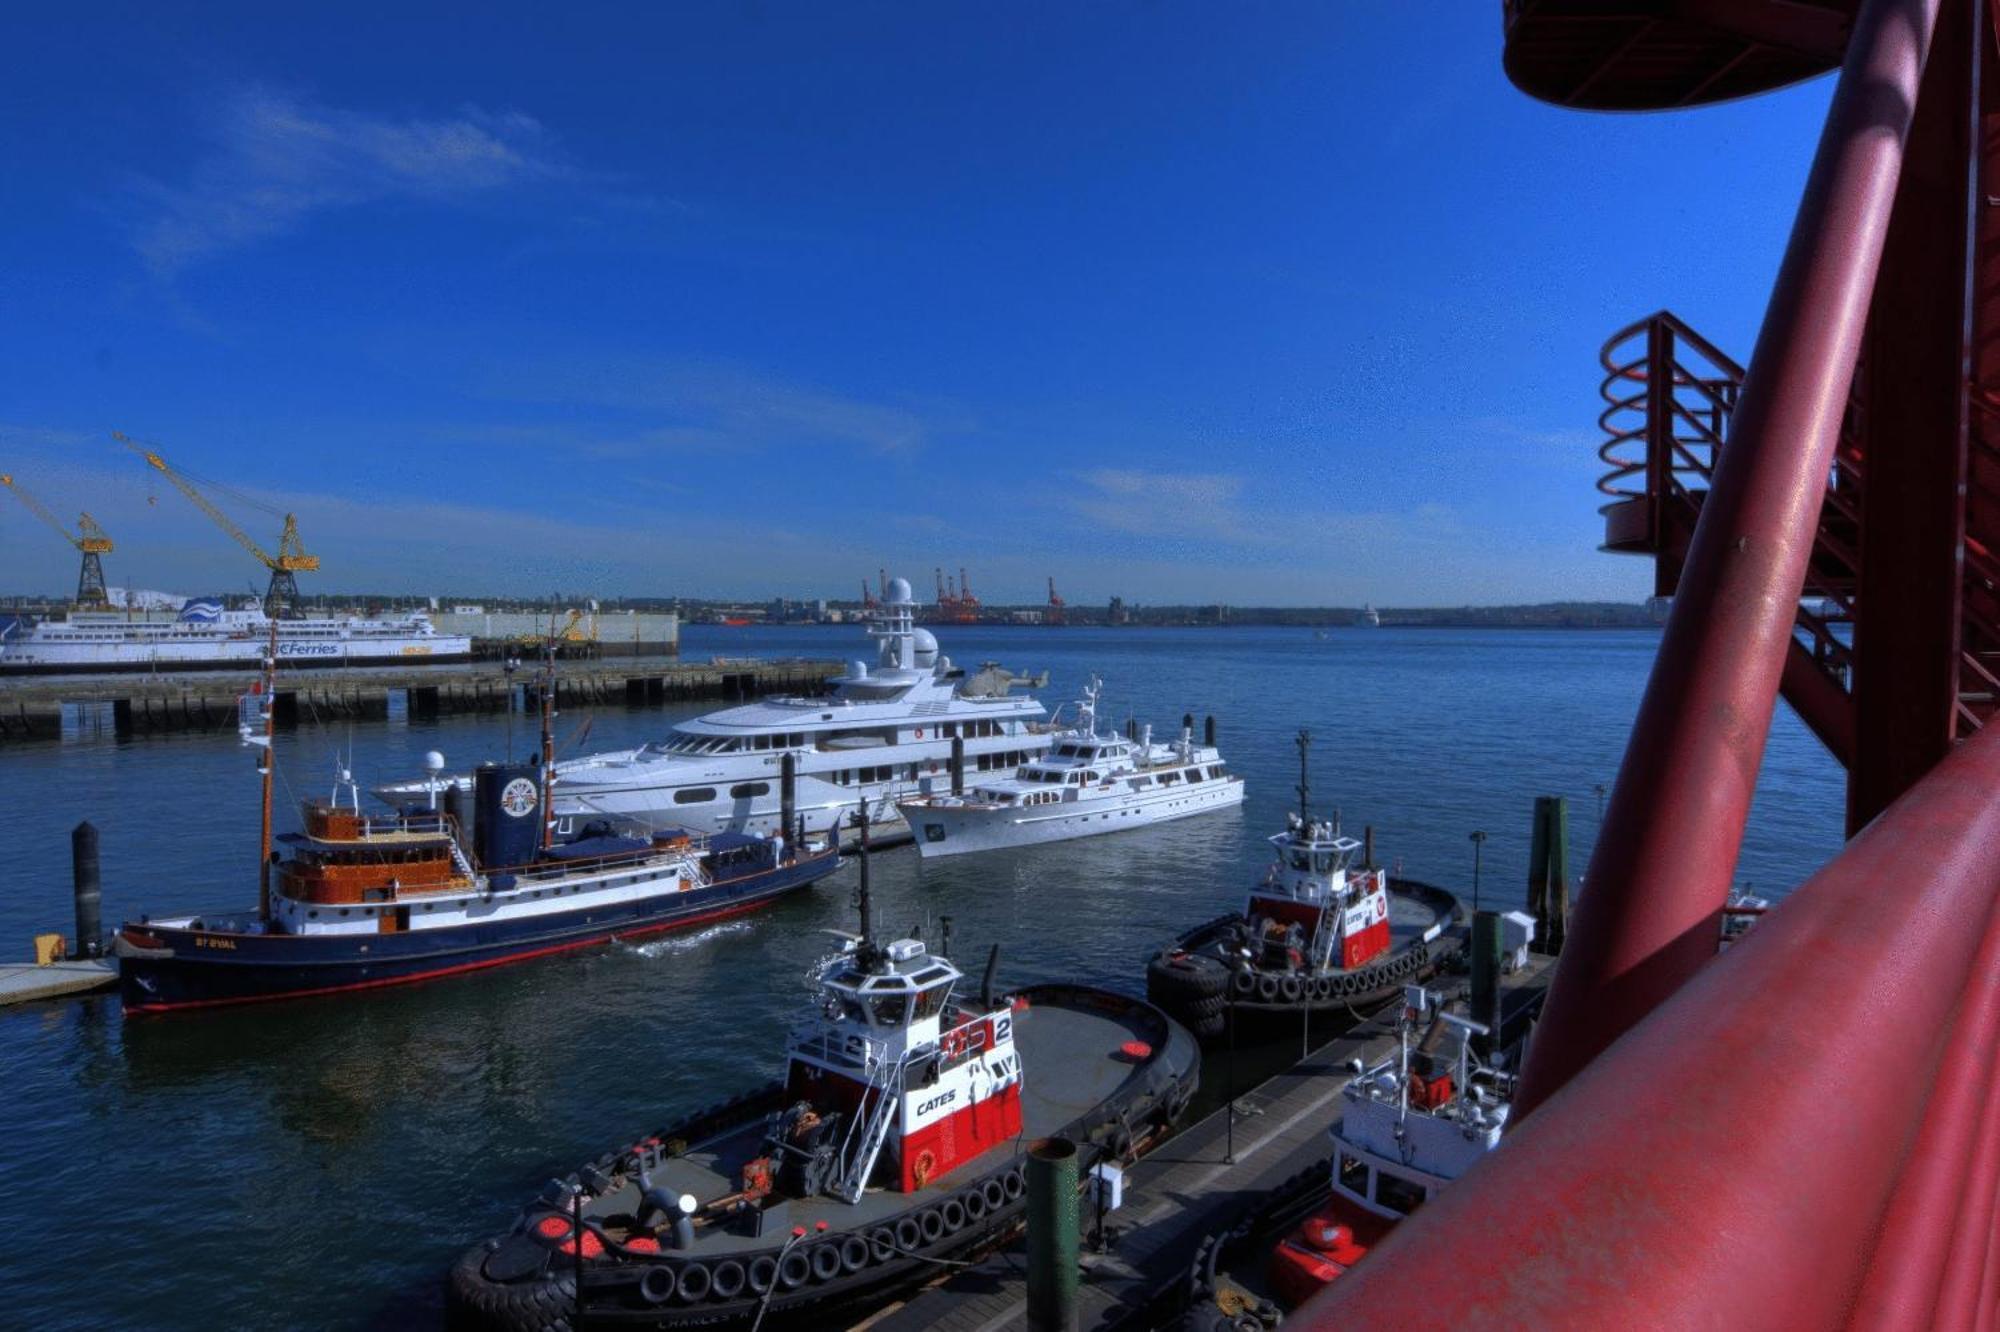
<point>506,799</point>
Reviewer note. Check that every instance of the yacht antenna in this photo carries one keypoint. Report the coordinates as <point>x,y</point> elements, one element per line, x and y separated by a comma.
<point>1304,742</point>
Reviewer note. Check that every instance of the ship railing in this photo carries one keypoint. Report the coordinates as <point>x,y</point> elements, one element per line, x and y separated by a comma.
<point>874,1132</point>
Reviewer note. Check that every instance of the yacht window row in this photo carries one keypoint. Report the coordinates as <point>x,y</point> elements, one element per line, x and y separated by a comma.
<point>682,743</point>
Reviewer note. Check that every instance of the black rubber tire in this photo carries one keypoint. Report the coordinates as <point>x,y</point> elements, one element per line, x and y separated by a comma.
<point>996,1194</point>
<point>1207,1028</point>
<point>882,1244</point>
<point>794,1269</point>
<point>763,1273</point>
<point>727,1279</point>
<point>1243,980</point>
<point>931,1224</point>
<point>1014,1182</point>
<point>909,1235</point>
<point>974,1203</point>
<point>1290,989</point>
<point>658,1284</point>
<point>696,1281</point>
<point>825,1261</point>
<point>952,1211</point>
<point>1267,986</point>
<point>1207,1007</point>
<point>854,1253</point>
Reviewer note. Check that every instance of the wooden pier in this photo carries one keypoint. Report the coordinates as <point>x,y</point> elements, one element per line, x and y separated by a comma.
<point>1181,1193</point>
<point>89,707</point>
<point>21,982</point>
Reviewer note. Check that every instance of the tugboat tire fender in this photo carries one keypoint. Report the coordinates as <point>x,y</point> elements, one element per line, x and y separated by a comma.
<point>763,1273</point>
<point>855,1253</point>
<point>882,1244</point>
<point>952,1212</point>
<point>931,1224</point>
<point>995,1193</point>
<point>794,1269</point>
<point>696,1282</point>
<point>727,1280</point>
<point>658,1284</point>
<point>1289,987</point>
<point>826,1263</point>
<point>974,1203</point>
<point>1267,987</point>
<point>1242,980</point>
<point>908,1233</point>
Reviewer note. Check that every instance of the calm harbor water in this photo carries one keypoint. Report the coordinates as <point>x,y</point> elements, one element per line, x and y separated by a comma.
<point>320,1163</point>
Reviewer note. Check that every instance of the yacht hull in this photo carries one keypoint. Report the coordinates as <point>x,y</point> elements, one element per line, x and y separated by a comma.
<point>946,829</point>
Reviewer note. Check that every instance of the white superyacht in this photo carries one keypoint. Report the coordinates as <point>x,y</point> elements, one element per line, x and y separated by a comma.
<point>885,732</point>
<point>1088,783</point>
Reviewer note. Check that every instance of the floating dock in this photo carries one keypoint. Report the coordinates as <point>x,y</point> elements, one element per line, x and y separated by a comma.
<point>21,982</point>
<point>1186,1190</point>
<point>90,707</point>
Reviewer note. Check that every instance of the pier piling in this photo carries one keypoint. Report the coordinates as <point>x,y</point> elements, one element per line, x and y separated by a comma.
<point>83,869</point>
<point>788,793</point>
<point>1208,731</point>
<point>1548,873</point>
<point>1052,1236</point>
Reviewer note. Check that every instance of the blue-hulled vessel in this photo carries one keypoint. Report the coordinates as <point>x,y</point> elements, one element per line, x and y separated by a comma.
<point>360,899</point>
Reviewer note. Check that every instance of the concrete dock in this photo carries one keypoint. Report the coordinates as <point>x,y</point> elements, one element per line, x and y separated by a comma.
<point>1181,1193</point>
<point>21,982</point>
<point>109,706</point>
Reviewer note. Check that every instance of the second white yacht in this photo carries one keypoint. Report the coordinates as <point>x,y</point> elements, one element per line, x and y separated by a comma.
<point>885,732</point>
<point>1088,783</point>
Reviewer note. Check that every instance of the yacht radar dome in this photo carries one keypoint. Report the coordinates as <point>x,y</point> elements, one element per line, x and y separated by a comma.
<point>899,592</point>
<point>433,761</point>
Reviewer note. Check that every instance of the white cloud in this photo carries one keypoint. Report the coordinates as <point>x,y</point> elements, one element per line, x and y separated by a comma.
<point>715,405</point>
<point>276,159</point>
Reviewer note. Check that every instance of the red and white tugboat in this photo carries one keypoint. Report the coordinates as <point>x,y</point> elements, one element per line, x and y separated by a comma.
<point>1321,935</point>
<point>1409,1125</point>
<point>897,1138</point>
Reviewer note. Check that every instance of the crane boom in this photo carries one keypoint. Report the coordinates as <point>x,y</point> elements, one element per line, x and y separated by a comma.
<point>90,540</point>
<point>291,557</point>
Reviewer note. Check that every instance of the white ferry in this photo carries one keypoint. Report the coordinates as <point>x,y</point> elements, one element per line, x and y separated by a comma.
<point>206,637</point>
<point>1088,783</point>
<point>885,732</point>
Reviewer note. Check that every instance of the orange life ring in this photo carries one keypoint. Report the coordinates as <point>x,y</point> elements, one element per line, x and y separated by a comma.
<point>920,733</point>
<point>921,1171</point>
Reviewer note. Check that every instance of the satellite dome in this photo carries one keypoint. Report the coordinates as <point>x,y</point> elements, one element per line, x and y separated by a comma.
<point>899,591</point>
<point>926,647</point>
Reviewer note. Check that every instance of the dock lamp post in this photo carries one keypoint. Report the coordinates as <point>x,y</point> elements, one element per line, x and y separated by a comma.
<point>1478,840</point>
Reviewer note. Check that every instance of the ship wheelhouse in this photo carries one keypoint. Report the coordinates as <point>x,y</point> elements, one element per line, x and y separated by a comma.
<point>916,1077</point>
<point>1317,903</point>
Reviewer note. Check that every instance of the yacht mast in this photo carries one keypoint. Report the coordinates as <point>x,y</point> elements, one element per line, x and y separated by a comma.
<point>1304,742</point>
<point>266,762</point>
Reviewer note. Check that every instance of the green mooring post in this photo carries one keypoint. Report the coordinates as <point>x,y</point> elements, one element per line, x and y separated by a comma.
<point>1052,1236</point>
<point>1548,874</point>
<point>1486,960</point>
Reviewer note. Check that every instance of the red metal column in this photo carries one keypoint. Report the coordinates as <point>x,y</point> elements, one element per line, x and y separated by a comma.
<point>1740,1158</point>
<point>1912,444</point>
<point>1649,913</point>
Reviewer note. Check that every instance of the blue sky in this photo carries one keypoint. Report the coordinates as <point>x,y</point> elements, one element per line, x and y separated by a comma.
<point>1275,303</point>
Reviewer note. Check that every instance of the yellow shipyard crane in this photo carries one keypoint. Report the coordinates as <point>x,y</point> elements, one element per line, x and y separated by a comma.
<point>91,541</point>
<point>291,559</point>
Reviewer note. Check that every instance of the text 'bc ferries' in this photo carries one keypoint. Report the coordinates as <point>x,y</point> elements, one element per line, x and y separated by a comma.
<point>885,733</point>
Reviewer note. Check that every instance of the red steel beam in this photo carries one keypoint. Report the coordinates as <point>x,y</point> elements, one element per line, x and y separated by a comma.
<point>1661,870</point>
<point>1730,1162</point>
<point>1912,441</point>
